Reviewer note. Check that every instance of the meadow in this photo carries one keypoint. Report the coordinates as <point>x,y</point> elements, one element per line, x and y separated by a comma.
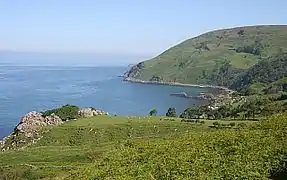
<point>115,147</point>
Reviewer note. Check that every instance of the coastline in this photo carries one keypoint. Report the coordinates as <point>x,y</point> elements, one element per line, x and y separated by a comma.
<point>133,80</point>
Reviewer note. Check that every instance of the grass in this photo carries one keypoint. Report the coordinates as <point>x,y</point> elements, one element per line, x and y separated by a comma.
<point>79,144</point>
<point>186,61</point>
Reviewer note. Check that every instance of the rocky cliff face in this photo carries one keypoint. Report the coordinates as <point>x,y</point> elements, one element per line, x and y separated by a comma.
<point>134,70</point>
<point>32,122</point>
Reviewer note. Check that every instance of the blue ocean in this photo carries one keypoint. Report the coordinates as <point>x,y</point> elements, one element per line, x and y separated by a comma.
<point>25,88</point>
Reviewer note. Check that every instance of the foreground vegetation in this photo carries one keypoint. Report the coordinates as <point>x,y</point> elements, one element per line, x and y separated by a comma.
<point>111,147</point>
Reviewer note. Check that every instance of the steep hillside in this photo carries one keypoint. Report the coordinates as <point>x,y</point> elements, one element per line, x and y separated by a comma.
<point>265,72</point>
<point>215,58</point>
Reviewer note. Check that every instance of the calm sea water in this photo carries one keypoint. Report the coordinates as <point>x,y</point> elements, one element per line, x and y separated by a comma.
<point>28,88</point>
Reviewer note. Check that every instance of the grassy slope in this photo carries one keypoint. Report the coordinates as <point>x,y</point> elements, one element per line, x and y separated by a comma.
<point>148,148</point>
<point>186,61</point>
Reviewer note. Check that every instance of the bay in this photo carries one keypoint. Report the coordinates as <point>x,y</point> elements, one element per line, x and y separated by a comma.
<point>38,88</point>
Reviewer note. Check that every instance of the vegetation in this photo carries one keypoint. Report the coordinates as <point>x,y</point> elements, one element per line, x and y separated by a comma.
<point>250,108</point>
<point>244,138</point>
<point>265,72</point>
<point>153,112</point>
<point>222,57</point>
<point>171,112</point>
<point>65,112</point>
<point>112,147</point>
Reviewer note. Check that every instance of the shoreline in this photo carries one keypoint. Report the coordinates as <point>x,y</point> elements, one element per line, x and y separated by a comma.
<point>133,80</point>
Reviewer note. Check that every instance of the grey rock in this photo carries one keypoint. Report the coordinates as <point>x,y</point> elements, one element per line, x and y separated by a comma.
<point>32,122</point>
<point>2,143</point>
<point>89,112</point>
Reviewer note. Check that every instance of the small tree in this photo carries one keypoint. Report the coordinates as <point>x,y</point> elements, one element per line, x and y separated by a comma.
<point>189,113</point>
<point>171,112</point>
<point>217,115</point>
<point>153,112</point>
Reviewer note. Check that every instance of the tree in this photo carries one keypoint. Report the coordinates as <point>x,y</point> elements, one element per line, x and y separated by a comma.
<point>224,111</point>
<point>171,112</point>
<point>217,115</point>
<point>153,112</point>
<point>234,113</point>
<point>190,113</point>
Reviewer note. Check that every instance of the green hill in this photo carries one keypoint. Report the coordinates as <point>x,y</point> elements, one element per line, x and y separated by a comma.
<point>215,58</point>
<point>106,147</point>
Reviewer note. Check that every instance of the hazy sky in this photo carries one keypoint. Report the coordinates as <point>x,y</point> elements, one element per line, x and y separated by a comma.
<point>123,26</point>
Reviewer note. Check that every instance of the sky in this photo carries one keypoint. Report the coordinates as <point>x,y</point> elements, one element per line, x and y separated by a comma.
<point>143,27</point>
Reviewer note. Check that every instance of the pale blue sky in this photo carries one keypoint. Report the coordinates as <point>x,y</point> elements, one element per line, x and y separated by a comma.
<point>123,26</point>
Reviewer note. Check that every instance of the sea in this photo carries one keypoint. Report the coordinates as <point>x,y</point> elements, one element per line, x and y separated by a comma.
<point>25,88</point>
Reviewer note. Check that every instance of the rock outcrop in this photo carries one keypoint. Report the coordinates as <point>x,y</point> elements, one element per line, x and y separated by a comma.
<point>33,121</point>
<point>29,128</point>
<point>90,112</point>
<point>134,70</point>
<point>2,143</point>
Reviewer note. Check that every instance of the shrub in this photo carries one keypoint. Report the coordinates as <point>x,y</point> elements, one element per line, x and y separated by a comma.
<point>216,123</point>
<point>153,112</point>
<point>240,32</point>
<point>171,112</point>
<point>65,112</point>
<point>92,108</point>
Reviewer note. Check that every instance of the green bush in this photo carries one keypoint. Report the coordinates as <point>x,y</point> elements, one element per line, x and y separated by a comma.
<point>65,112</point>
<point>171,112</point>
<point>153,112</point>
<point>216,123</point>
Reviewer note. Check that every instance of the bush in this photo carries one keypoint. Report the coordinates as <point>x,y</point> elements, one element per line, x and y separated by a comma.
<point>171,112</point>
<point>92,108</point>
<point>153,112</point>
<point>65,112</point>
<point>216,123</point>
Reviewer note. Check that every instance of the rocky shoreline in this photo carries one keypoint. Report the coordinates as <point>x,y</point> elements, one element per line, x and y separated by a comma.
<point>133,80</point>
<point>221,96</point>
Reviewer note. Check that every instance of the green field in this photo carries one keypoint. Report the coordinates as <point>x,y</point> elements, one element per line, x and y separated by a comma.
<point>111,147</point>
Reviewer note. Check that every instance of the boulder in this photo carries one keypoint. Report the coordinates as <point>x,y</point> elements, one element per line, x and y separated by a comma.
<point>2,143</point>
<point>89,112</point>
